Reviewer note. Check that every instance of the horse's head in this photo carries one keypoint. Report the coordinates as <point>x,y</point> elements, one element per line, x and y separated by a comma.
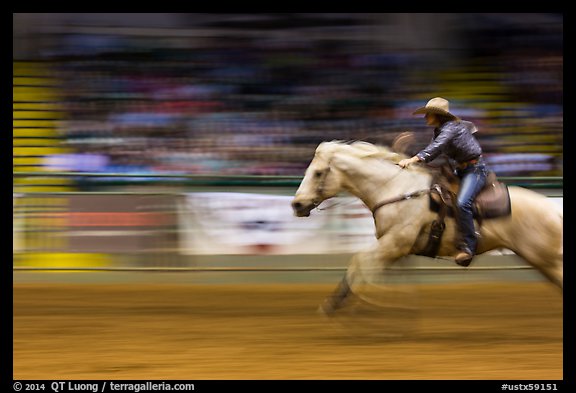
<point>341,165</point>
<point>321,181</point>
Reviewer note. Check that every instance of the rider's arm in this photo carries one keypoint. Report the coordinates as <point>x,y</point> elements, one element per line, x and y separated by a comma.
<point>435,147</point>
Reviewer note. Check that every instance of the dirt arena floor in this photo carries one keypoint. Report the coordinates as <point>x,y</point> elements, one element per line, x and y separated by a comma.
<point>244,331</point>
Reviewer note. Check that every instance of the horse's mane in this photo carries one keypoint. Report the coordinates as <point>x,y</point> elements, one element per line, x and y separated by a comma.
<point>361,149</point>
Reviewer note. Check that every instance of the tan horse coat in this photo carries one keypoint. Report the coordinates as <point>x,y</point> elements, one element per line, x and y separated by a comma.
<point>533,231</point>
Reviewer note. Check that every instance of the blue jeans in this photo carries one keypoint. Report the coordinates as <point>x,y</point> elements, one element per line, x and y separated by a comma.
<point>473,179</point>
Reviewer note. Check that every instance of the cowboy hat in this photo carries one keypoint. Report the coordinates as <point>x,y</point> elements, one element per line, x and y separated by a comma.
<point>437,105</point>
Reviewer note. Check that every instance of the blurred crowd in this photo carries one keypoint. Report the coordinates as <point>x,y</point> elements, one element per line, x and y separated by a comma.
<point>260,105</point>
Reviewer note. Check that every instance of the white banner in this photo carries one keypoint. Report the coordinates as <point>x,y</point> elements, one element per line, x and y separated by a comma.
<point>243,223</point>
<point>559,201</point>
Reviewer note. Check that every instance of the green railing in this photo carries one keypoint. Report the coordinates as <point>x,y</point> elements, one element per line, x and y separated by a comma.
<point>114,179</point>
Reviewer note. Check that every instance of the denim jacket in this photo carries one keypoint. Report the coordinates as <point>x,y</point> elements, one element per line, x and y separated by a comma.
<point>455,139</point>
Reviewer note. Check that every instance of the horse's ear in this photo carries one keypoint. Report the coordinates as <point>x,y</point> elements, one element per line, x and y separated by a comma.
<point>403,142</point>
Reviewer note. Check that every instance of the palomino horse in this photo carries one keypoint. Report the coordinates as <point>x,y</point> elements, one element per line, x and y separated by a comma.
<point>533,231</point>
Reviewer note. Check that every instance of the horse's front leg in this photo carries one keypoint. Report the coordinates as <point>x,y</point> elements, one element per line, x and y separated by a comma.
<point>362,266</point>
<point>337,299</point>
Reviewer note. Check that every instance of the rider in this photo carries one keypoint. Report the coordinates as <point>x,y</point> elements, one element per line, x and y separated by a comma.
<point>454,137</point>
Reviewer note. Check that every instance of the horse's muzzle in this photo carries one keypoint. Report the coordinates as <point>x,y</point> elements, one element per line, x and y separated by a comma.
<point>301,210</point>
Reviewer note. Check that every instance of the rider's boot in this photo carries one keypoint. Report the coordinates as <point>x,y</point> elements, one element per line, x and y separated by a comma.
<point>464,257</point>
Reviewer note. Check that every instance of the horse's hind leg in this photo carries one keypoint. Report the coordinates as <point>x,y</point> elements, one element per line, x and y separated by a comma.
<point>554,273</point>
<point>536,234</point>
<point>558,273</point>
<point>550,266</point>
<point>546,255</point>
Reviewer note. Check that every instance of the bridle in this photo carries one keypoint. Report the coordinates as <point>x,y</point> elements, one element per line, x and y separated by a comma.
<point>320,188</point>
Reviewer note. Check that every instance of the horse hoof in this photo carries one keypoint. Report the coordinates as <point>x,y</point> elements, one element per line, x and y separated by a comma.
<point>326,309</point>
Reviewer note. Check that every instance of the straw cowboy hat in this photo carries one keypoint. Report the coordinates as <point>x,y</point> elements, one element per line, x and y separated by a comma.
<point>437,105</point>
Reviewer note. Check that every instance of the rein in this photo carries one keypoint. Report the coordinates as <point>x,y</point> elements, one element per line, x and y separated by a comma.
<point>399,198</point>
<point>333,205</point>
<point>414,194</point>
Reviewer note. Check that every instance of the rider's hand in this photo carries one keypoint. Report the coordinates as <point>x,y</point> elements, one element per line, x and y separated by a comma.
<point>404,163</point>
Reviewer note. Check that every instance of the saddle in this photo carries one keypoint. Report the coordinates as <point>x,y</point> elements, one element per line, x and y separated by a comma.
<point>491,202</point>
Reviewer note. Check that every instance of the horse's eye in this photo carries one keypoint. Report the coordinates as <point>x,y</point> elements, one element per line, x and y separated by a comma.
<point>318,173</point>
